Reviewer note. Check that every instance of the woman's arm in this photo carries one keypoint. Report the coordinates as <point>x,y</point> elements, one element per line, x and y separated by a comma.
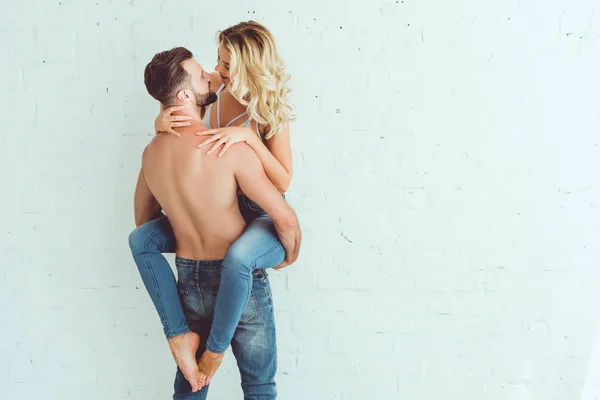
<point>157,121</point>
<point>275,157</point>
<point>165,122</point>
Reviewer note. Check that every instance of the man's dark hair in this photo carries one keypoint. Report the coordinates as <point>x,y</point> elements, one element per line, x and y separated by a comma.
<point>164,76</point>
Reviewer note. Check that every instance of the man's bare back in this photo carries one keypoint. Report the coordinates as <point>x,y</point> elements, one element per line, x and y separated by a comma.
<point>197,192</point>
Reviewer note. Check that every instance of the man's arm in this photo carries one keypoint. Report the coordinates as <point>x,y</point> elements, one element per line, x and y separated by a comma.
<point>255,184</point>
<point>144,204</point>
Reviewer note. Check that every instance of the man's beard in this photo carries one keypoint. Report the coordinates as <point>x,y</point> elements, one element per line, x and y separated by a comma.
<point>202,100</point>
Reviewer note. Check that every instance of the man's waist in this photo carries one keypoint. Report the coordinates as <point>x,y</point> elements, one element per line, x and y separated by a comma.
<point>182,262</point>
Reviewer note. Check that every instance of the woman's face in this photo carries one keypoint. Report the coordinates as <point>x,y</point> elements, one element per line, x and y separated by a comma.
<point>222,66</point>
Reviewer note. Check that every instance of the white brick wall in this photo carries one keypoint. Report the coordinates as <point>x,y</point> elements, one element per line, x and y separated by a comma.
<point>447,164</point>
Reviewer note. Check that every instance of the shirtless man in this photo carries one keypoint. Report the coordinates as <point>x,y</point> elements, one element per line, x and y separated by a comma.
<point>199,195</point>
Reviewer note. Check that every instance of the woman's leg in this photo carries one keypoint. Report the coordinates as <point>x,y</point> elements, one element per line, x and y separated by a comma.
<point>257,248</point>
<point>147,242</point>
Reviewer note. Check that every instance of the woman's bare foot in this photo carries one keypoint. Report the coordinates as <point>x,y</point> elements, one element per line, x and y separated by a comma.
<point>208,365</point>
<point>184,347</point>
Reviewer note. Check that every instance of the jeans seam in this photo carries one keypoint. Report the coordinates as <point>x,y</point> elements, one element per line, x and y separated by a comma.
<point>253,264</point>
<point>210,339</point>
<point>168,332</point>
<point>272,249</point>
<point>265,284</point>
<point>212,349</point>
<point>177,333</point>
<point>253,299</point>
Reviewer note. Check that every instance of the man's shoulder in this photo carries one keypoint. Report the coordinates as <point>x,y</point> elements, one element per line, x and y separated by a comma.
<point>149,149</point>
<point>241,151</point>
<point>149,146</point>
<point>242,157</point>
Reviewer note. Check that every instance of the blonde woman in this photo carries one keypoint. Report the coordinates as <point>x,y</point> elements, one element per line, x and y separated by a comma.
<point>251,107</point>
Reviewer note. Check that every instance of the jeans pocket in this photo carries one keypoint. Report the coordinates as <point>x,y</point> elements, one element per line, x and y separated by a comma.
<point>209,299</point>
<point>193,303</point>
<point>251,311</point>
<point>266,288</point>
<point>262,289</point>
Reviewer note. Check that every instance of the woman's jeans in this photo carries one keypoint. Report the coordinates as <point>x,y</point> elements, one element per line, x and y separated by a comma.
<point>257,248</point>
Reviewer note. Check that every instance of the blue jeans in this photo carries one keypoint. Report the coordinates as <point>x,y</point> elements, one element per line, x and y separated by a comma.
<point>257,248</point>
<point>253,342</point>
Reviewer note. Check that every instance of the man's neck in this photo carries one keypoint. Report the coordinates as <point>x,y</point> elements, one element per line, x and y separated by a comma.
<point>191,111</point>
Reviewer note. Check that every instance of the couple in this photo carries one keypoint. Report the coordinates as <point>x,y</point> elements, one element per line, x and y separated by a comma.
<point>226,218</point>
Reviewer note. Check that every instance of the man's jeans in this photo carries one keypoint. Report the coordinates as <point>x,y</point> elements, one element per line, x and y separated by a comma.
<point>253,342</point>
<point>258,247</point>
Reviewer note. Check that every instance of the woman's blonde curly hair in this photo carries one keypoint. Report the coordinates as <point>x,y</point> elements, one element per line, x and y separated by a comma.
<point>258,77</point>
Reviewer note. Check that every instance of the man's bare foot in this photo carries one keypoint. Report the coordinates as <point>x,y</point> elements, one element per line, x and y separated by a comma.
<point>208,365</point>
<point>183,347</point>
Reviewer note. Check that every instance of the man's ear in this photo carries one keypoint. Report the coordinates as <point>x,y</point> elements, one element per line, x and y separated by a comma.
<point>183,96</point>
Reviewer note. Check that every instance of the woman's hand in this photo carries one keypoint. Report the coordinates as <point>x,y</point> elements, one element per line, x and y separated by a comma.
<point>165,122</point>
<point>226,136</point>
